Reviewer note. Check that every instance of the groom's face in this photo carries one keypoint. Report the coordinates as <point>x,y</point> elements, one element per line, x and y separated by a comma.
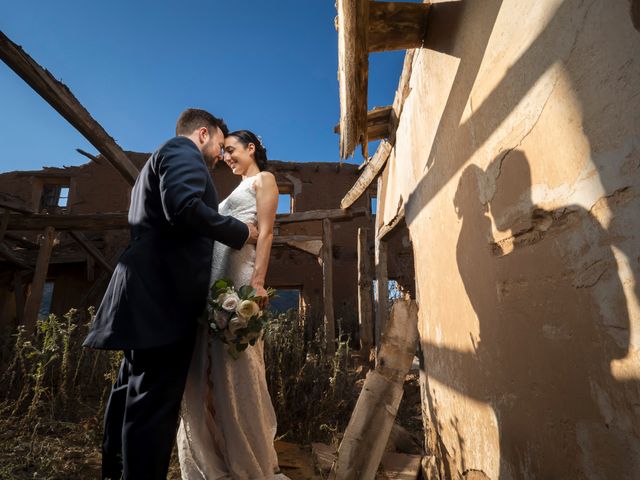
<point>213,149</point>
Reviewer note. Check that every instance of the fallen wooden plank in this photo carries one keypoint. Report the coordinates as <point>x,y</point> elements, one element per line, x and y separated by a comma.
<point>63,101</point>
<point>399,466</point>
<point>362,446</point>
<point>368,175</point>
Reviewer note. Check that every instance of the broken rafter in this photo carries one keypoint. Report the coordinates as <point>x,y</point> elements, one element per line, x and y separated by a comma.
<point>60,97</point>
<point>91,249</point>
<point>368,175</point>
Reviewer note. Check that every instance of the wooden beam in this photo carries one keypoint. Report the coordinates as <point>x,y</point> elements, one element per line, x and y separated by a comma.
<point>367,433</point>
<point>311,244</point>
<point>39,277</point>
<point>368,175</point>
<point>327,285</point>
<point>10,256</point>
<point>19,294</point>
<point>353,73</point>
<point>4,223</point>
<point>91,249</point>
<point>14,204</point>
<point>382,288</point>
<point>23,242</point>
<point>331,214</point>
<point>365,292</point>
<point>62,100</point>
<point>378,120</point>
<point>93,222</point>
<point>397,25</point>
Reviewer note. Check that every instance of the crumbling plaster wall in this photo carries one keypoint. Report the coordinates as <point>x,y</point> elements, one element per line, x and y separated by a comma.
<point>516,159</point>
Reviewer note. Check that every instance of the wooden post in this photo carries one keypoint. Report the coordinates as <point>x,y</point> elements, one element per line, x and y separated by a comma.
<point>365,292</point>
<point>19,293</point>
<point>327,285</point>
<point>39,277</point>
<point>373,417</point>
<point>382,288</point>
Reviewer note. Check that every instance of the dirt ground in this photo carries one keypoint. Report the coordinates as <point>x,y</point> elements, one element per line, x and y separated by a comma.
<point>60,451</point>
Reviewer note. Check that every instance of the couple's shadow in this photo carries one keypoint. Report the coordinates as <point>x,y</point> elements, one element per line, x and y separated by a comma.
<point>552,321</point>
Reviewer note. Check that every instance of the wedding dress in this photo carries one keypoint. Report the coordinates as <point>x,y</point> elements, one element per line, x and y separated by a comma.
<point>228,423</point>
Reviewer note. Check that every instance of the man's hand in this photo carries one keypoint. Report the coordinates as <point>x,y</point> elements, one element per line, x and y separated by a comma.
<point>253,234</point>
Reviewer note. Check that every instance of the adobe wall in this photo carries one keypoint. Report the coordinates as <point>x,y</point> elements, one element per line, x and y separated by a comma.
<point>517,158</point>
<point>98,188</point>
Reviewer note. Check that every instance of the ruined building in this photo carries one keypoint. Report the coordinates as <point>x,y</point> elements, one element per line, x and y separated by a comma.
<point>97,196</point>
<point>512,153</point>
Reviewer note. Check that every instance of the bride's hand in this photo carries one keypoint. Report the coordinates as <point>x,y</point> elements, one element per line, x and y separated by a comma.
<point>264,300</point>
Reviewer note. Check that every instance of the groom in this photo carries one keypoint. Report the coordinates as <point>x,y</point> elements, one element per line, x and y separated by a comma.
<point>157,292</point>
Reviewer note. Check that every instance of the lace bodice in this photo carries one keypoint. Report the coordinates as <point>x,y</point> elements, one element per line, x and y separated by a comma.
<point>236,265</point>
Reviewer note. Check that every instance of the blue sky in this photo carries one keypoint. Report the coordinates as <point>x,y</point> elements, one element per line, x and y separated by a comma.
<point>268,66</point>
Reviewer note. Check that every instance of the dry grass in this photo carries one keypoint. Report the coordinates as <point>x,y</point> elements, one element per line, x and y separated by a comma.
<point>54,392</point>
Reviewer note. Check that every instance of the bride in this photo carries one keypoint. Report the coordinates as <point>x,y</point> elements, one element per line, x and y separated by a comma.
<point>228,423</point>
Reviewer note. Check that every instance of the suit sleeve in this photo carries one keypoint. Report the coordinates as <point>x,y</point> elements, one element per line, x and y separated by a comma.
<point>183,179</point>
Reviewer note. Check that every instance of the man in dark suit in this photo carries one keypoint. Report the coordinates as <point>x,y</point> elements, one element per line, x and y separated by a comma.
<point>157,292</point>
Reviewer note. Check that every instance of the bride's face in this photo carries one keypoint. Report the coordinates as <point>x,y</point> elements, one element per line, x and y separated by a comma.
<point>237,156</point>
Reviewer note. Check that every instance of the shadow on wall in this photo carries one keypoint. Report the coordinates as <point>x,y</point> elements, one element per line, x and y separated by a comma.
<point>558,42</point>
<point>544,355</point>
<point>551,306</point>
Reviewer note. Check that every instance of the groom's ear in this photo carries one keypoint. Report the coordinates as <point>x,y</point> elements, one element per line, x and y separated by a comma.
<point>203,134</point>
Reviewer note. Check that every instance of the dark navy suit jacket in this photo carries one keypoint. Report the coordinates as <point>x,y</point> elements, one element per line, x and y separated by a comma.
<point>159,287</point>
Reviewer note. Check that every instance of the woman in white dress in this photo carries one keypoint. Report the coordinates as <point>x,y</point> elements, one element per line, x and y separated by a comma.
<point>228,423</point>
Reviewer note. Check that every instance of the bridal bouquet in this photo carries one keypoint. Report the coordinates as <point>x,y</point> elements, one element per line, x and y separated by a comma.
<point>235,316</point>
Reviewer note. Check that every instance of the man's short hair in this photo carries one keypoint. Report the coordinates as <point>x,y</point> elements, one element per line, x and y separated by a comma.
<point>193,118</point>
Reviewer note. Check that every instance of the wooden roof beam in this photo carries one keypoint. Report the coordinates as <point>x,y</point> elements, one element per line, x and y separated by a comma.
<point>366,26</point>
<point>313,215</point>
<point>66,104</point>
<point>66,222</point>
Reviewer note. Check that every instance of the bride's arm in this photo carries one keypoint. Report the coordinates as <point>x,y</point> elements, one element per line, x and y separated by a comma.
<point>266,204</point>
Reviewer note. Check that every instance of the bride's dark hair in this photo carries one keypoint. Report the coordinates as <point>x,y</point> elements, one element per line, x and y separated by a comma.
<point>245,137</point>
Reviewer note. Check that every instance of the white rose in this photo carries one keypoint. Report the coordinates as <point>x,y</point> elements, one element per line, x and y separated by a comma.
<point>230,302</point>
<point>247,309</point>
<point>237,323</point>
<point>221,318</point>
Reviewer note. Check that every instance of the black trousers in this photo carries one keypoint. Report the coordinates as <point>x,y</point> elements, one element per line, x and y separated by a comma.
<point>141,418</point>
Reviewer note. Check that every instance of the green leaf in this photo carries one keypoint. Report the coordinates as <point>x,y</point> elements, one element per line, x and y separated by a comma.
<point>246,292</point>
